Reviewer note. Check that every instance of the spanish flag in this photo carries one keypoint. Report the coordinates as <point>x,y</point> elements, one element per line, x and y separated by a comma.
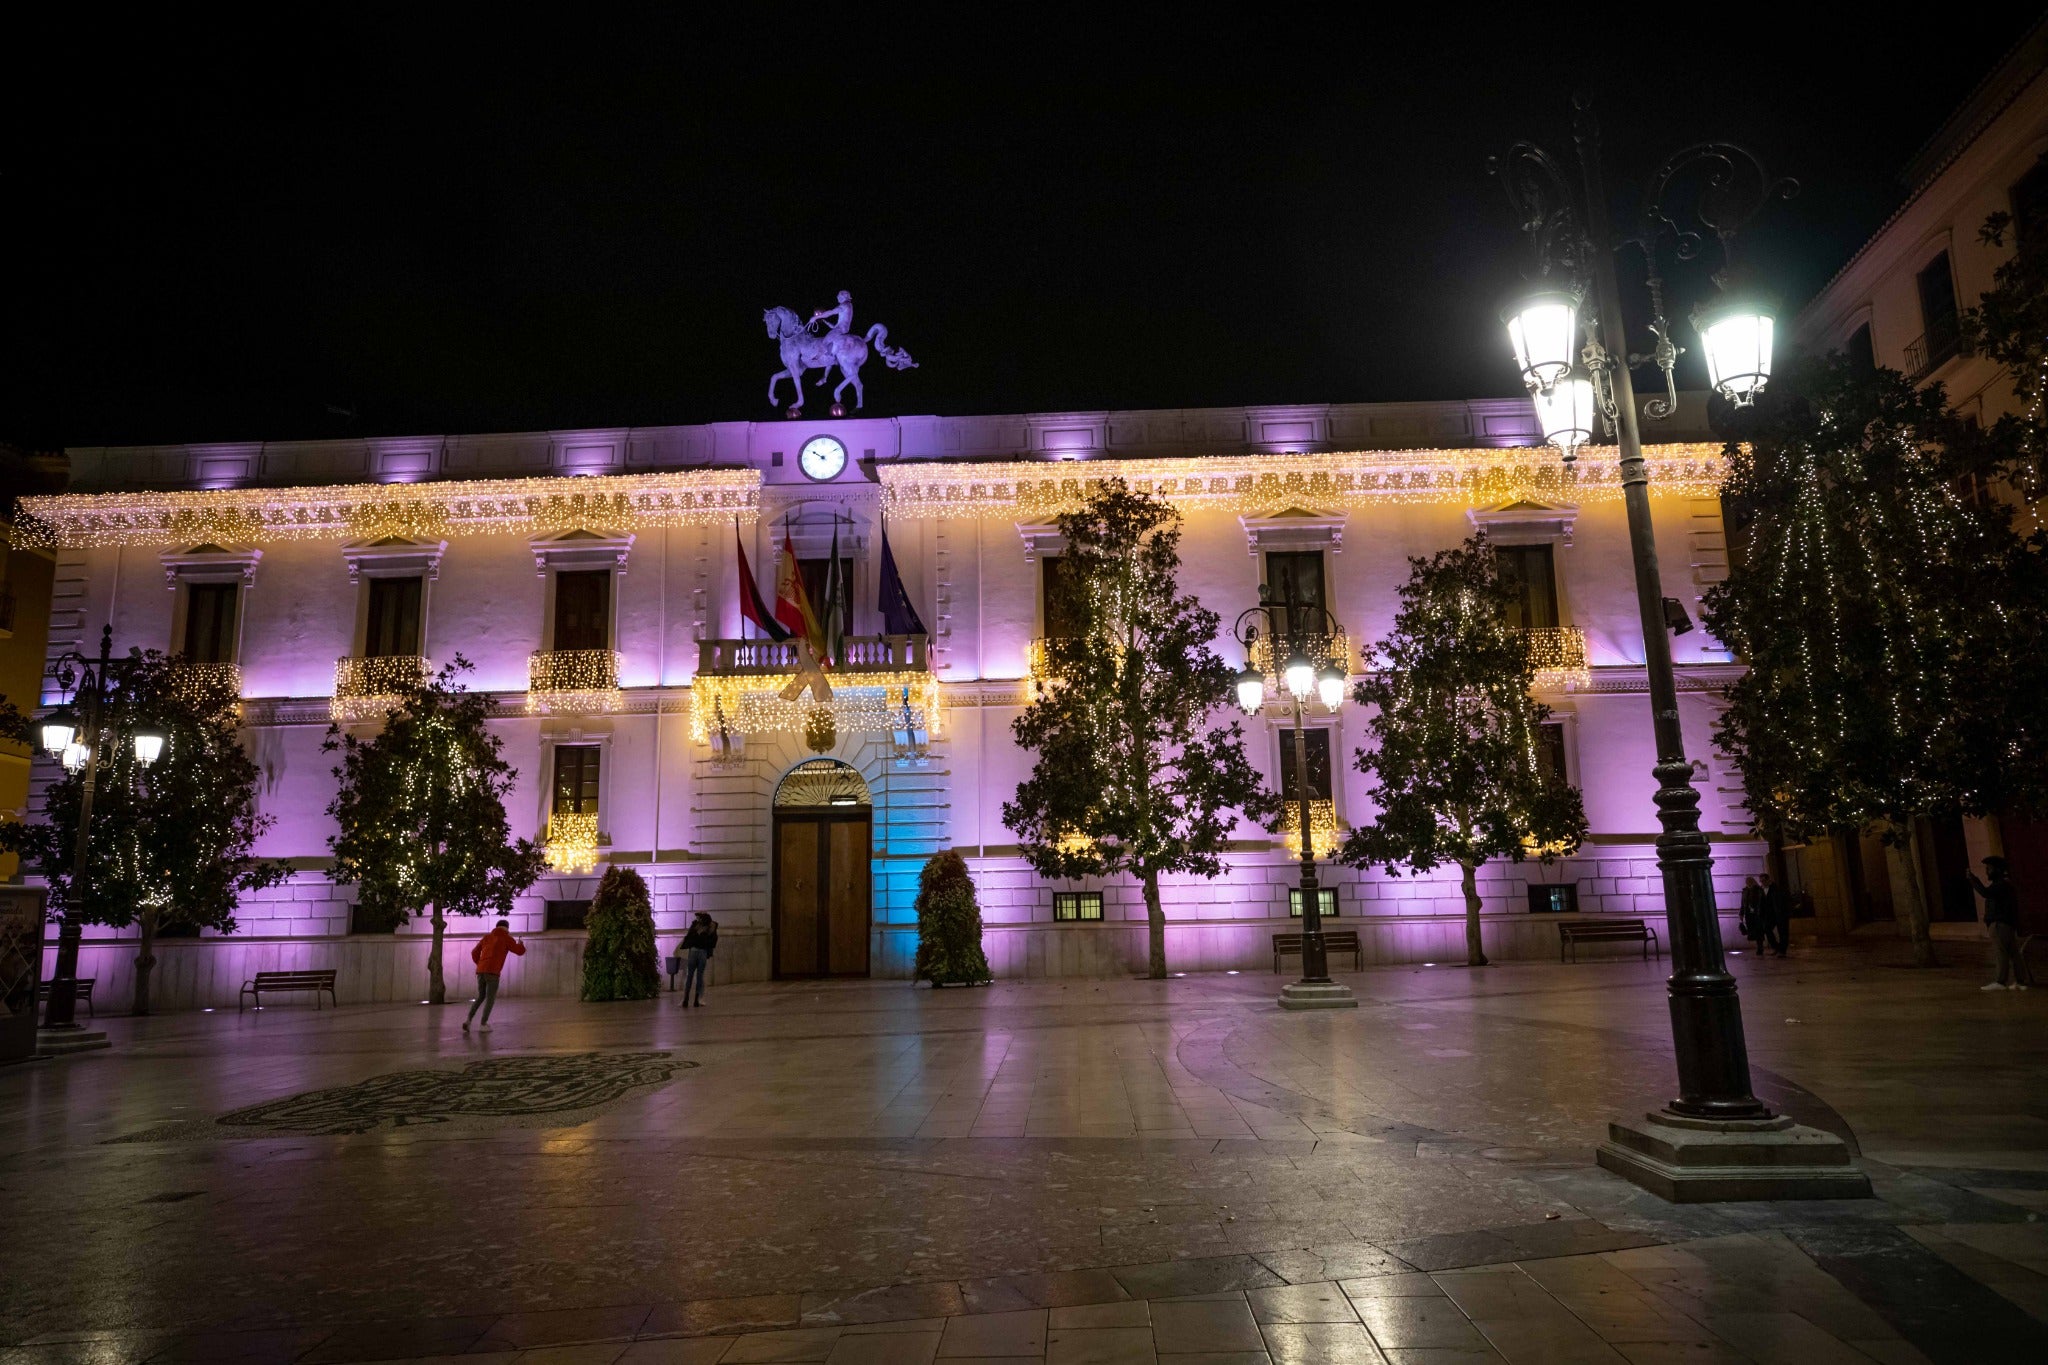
<point>792,603</point>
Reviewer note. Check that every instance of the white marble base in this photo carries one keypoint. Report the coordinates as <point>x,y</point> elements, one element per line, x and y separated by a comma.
<point>1327,995</point>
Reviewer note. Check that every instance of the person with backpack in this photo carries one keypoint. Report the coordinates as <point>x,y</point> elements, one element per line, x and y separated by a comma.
<point>489,956</point>
<point>699,942</point>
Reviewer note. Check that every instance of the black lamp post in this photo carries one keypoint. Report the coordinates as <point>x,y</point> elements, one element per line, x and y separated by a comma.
<point>1301,678</point>
<point>1716,1140</point>
<point>74,734</point>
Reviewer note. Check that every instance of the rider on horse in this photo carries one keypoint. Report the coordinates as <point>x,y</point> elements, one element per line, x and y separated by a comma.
<point>842,316</point>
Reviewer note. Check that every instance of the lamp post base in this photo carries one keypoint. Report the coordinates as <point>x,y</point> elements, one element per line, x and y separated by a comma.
<point>1317,995</point>
<point>55,1042</point>
<point>1705,1161</point>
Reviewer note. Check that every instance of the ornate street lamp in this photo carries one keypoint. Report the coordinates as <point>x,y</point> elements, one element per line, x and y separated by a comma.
<point>73,734</point>
<point>1715,1140</point>
<point>1302,680</point>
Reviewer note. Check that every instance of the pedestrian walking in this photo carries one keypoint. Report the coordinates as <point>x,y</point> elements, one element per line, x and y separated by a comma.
<point>1777,916</point>
<point>700,941</point>
<point>2002,918</point>
<point>1751,916</point>
<point>489,957</point>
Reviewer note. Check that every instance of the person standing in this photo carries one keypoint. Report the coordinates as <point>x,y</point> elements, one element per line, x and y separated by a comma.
<point>2002,918</point>
<point>489,957</point>
<point>1777,916</point>
<point>1751,917</point>
<point>699,942</point>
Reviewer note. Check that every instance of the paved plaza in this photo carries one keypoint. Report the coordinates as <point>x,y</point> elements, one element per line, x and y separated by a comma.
<point>1069,1171</point>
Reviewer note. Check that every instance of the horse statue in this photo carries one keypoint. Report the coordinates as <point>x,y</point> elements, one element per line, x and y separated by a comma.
<point>803,349</point>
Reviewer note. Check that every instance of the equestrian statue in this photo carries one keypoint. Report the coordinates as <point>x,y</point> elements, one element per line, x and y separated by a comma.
<point>804,349</point>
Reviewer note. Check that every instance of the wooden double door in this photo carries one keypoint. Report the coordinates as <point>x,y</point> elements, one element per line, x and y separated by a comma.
<point>821,896</point>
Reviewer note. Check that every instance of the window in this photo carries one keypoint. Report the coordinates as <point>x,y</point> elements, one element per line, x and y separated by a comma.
<point>575,779</point>
<point>1862,356</point>
<point>1553,898</point>
<point>1532,570</point>
<point>210,623</point>
<point>568,914</point>
<point>1294,579</point>
<point>583,609</point>
<point>2030,203</point>
<point>1065,617</point>
<point>394,626</point>
<point>1942,339</point>
<point>1318,765</point>
<point>1550,752</point>
<point>1326,901</point>
<point>814,572</point>
<point>1076,905</point>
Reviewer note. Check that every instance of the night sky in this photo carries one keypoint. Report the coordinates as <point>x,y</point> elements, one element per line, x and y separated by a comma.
<point>470,223</point>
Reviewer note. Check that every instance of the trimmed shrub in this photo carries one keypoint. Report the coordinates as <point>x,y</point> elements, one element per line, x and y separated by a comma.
<point>949,924</point>
<point>619,961</point>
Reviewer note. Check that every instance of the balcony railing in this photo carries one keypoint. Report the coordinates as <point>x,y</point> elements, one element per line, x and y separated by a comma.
<point>883,683</point>
<point>1322,822</point>
<point>572,842</point>
<point>196,681</point>
<point>1928,352</point>
<point>573,680</point>
<point>1559,653</point>
<point>864,654</point>
<point>365,687</point>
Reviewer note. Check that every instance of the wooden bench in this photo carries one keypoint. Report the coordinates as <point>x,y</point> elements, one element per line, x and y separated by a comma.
<point>83,991</point>
<point>1570,934</point>
<point>315,982</point>
<point>1335,941</point>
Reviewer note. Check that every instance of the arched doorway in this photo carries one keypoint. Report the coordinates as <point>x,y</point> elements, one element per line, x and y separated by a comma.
<point>824,826</point>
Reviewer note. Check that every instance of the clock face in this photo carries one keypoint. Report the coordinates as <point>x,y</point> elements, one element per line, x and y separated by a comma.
<point>821,458</point>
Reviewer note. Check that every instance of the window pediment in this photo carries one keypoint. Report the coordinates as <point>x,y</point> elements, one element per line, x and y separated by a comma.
<point>1296,528</point>
<point>1042,540</point>
<point>211,564</point>
<point>1525,521</point>
<point>581,549</point>
<point>393,556</point>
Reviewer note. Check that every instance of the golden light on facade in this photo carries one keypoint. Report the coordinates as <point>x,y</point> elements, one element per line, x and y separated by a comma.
<point>572,842</point>
<point>573,681</point>
<point>752,703</point>
<point>1322,823</point>
<point>374,511</point>
<point>1559,653</point>
<point>365,688</point>
<point>1038,490</point>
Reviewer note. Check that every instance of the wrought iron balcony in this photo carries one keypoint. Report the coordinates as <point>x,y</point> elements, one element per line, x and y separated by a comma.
<point>365,687</point>
<point>572,841</point>
<point>573,680</point>
<point>883,683</point>
<point>1322,822</point>
<point>1939,344</point>
<point>1559,653</point>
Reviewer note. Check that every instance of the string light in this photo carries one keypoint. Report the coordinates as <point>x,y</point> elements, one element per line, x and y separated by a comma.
<point>1322,823</point>
<point>572,842</point>
<point>411,511</point>
<point>573,680</point>
<point>1038,490</point>
<point>365,688</point>
<point>1559,653</point>
<point>753,704</point>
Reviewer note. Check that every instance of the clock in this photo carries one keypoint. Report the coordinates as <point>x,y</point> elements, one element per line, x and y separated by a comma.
<point>821,458</point>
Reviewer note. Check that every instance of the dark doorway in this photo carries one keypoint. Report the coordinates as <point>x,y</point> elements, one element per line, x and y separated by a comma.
<point>821,892</point>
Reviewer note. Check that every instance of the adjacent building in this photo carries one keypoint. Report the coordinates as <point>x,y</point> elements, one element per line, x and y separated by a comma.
<point>591,578</point>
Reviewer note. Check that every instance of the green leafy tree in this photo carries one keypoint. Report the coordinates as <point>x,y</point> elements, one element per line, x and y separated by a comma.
<point>1453,734</point>
<point>1134,775</point>
<point>421,815</point>
<point>169,843</point>
<point>1893,624</point>
<point>949,951</point>
<point>619,960</point>
<point>2010,325</point>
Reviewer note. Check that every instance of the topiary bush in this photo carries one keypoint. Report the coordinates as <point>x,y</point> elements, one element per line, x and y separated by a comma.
<point>949,924</point>
<point>619,961</point>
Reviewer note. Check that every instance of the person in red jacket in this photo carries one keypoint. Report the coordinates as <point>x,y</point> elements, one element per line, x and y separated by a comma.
<point>489,957</point>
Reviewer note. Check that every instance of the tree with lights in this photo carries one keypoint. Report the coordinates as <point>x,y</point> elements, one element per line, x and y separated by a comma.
<point>170,844</point>
<point>2010,325</point>
<point>1134,775</point>
<point>1453,734</point>
<point>421,815</point>
<point>619,959</point>
<point>1893,624</point>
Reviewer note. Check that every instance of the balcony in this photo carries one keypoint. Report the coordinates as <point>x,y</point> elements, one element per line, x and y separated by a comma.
<point>1939,344</point>
<point>572,842</point>
<point>202,682</point>
<point>753,687</point>
<point>1322,822</point>
<point>1559,653</point>
<point>366,687</point>
<point>572,681</point>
